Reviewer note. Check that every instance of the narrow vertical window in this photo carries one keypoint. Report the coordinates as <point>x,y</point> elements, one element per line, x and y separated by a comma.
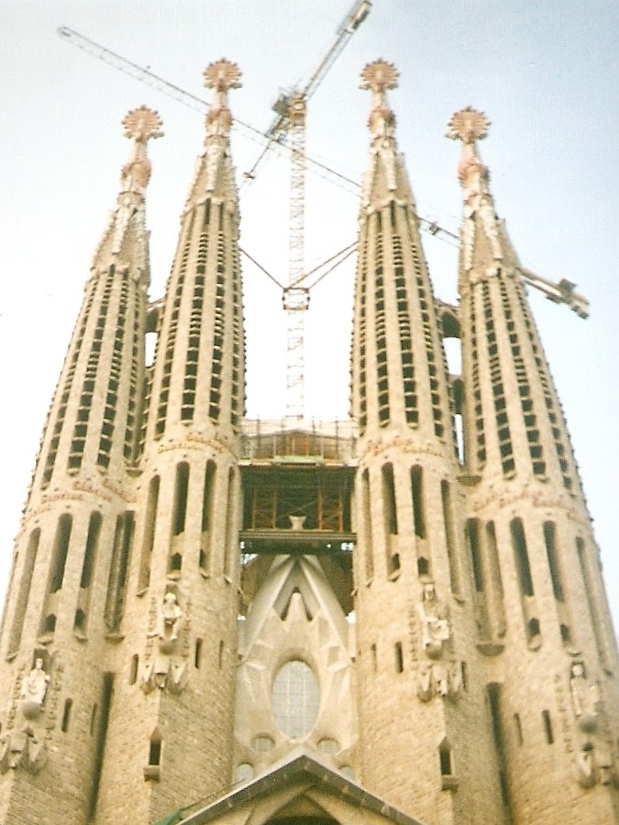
<point>133,669</point>
<point>66,715</point>
<point>450,538</point>
<point>496,605</point>
<point>547,726</point>
<point>121,552</point>
<point>180,499</point>
<point>389,502</point>
<point>92,541</point>
<point>472,534</point>
<point>220,655</point>
<point>155,748</point>
<point>494,703</point>
<point>98,727</point>
<point>208,502</point>
<point>367,525</point>
<point>521,557</point>
<point>445,758</point>
<point>79,621</point>
<point>553,560</point>
<point>197,654</point>
<point>25,582</point>
<point>150,520</point>
<point>518,726</point>
<point>207,496</point>
<point>230,545</point>
<point>374,658</point>
<point>60,551</point>
<point>418,509</point>
<point>399,659</point>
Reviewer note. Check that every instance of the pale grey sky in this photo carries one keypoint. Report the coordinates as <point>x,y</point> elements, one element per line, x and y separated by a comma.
<point>545,74</point>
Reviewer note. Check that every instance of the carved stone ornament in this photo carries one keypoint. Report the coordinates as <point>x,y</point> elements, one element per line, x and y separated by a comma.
<point>434,623</point>
<point>594,763</point>
<point>585,698</point>
<point>169,622</point>
<point>22,749</point>
<point>439,679</point>
<point>164,666</point>
<point>33,690</point>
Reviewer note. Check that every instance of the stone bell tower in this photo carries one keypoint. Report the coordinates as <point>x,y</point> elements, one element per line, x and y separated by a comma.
<point>68,584</point>
<point>418,692</point>
<point>549,657</point>
<point>170,726</point>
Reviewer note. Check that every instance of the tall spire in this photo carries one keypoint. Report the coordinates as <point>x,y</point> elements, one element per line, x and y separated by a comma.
<point>529,437</point>
<point>124,240</point>
<point>187,524</point>
<point>398,370</point>
<point>199,366</point>
<point>77,527</point>
<point>408,549</point>
<point>538,598</point>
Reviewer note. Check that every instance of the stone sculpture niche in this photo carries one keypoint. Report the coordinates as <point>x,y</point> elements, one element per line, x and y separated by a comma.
<point>435,630</point>
<point>437,677</point>
<point>34,688</point>
<point>165,668</point>
<point>25,746</point>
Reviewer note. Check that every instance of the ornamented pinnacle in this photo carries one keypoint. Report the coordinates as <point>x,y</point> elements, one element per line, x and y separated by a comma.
<point>468,125</point>
<point>222,75</point>
<point>142,124</point>
<point>379,76</point>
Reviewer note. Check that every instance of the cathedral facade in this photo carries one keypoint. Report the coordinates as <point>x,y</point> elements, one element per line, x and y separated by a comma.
<point>215,619</point>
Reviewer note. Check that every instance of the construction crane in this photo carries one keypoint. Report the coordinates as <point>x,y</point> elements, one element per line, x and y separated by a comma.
<point>290,122</point>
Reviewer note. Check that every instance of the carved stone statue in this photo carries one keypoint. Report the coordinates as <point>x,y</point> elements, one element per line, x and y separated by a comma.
<point>33,690</point>
<point>169,622</point>
<point>434,624</point>
<point>585,698</point>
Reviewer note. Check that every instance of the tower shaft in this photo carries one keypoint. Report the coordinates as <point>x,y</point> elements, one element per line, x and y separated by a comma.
<point>414,632</point>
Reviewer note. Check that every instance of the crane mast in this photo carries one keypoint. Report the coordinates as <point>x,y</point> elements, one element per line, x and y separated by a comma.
<point>291,118</point>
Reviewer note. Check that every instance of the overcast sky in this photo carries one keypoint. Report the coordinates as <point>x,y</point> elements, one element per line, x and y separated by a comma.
<point>545,74</point>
